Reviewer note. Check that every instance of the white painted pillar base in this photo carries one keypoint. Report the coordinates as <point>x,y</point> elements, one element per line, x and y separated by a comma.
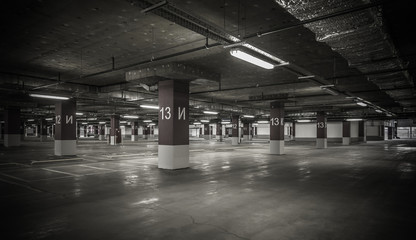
<point>101,137</point>
<point>346,141</point>
<point>246,137</point>
<point>65,147</point>
<point>113,140</point>
<point>234,140</point>
<point>173,156</point>
<point>321,143</point>
<point>11,140</point>
<point>277,147</point>
<point>134,138</point>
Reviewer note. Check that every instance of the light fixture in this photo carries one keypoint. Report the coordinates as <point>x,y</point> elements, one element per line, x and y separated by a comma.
<point>251,59</point>
<point>31,120</point>
<point>327,88</point>
<point>306,77</point>
<point>147,121</point>
<point>255,124</point>
<point>262,122</point>
<point>154,6</point>
<point>197,123</point>
<point>204,121</point>
<point>48,96</point>
<point>91,119</point>
<point>149,106</point>
<point>79,114</point>
<point>303,120</point>
<point>84,123</point>
<point>362,104</point>
<point>248,116</point>
<point>354,119</point>
<point>225,122</point>
<point>48,119</point>
<point>152,124</point>
<point>210,112</point>
<point>379,111</point>
<point>101,122</point>
<point>123,122</point>
<point>131,116</point>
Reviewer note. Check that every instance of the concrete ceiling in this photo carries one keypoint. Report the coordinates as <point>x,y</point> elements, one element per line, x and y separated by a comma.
<point>88,50</point>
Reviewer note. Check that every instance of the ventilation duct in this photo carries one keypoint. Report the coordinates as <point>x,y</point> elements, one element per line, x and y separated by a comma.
<point>357,35</point>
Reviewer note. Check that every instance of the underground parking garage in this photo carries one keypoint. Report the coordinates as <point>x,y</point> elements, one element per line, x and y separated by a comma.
<point>268,119</point>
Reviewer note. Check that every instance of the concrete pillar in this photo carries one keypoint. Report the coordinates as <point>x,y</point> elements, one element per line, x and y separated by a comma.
<point>2,130</point>
<point>115,132</point>
<point>12,127</point>
<point>146,132</point>
<point>134,131</point>
<point>96,131</point>
<point>53,130</point>
<point>346,133</point>
<point>277,128</point>
<point>85,130</point>
<point>43,130</point>
<point>235,120</point>
<point>362,131</point>
<point>321,130</point>
<point>219,131</point>
<point>293,130</point>
<point>206,131</point>
<point>173,148</point>
<point>389,133</point>
<point>101,132</point>
<point>201,135</point>
<point>78,126</point>
<point>65,128</point>
<point>246,131</point>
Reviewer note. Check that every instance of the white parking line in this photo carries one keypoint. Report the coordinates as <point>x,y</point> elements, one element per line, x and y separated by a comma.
<point>56,171</point>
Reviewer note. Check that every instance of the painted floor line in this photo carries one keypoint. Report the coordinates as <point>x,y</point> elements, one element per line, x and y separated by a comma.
<point>127,155</point>
<point>56,171</point>
<point>55,160</point>
<point>16,178</point>
<point>20,185</point>
<point>98,168</point>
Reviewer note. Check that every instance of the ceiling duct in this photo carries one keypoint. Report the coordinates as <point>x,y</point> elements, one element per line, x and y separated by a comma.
<point>358,35</point>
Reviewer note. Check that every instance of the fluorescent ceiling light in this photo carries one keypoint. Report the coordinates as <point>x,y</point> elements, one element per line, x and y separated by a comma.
<point>248,116</point>
<point>362,104</point>
<point>84,123</point>
<point>251,59</point>
<point>354,119</point>
<point>303,120</point>
<point>91,119</point>
<point>205,121</point>
<point>152,124</point>
<point>209,112</point>
<point>255,124</point>
<point>79,114</point>
<point>327,89</point>
<point>379,111</point>
<point>131,116</point>
<point>123,122</point>
<point>263,122</point>
<point>48,96</point>
<point>149,106</point>
<point>306,77</point>
<point>31,120</point>
<point>101,122</point>
<point>48,119</point>
<point>147,121</point>
<point>225,122</point>
<point>197,123</point>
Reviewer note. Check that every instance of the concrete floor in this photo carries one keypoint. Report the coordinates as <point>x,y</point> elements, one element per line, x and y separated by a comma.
<point>362,191</point>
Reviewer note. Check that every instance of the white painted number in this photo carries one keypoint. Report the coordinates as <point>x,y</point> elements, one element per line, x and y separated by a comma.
<point>321,124</point>
<point>276,121</point>
<point>181,113</point>
<point>165,113</point>
<point>68,119</point>
<point>58,119</point>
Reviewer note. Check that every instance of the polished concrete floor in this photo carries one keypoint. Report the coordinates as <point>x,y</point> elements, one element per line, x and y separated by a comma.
<point>362,191</point>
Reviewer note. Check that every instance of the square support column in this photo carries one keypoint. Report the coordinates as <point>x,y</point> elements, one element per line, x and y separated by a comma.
<point>346,133</point>
<point>134,131</point>
<point>12,128</point>
<point>206,131</point>
<point>219,131</point>
<point>43,130</point>
<point>277,131</point>
<point>362,131</point>
<point>235,120</point>
<point>321,130</point>
<point>389,133</point>
<point>65,128</point>
<point>115,131</point>
<point>101,132</point>
<point>173,147</point>
<point>246,131</point>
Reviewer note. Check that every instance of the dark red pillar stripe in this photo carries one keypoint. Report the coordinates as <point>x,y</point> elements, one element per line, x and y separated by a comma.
<point>277,114</point>
<point>206,129</point>
<point>219,129</point>
<point>135,128</point>
<point>12,121</point>
<point>115,128</point>
<point>65,120</point>
<point>321,131</point>
<point>361,128</point>
<point>173,112</point>
<point>346,129</point>
<point>236,125</point>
